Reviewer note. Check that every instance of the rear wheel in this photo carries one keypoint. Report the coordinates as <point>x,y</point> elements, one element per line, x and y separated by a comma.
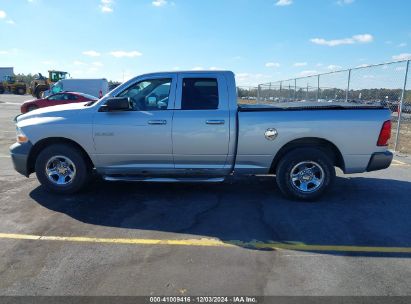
<point>62,169</point>
<point>305,174</point>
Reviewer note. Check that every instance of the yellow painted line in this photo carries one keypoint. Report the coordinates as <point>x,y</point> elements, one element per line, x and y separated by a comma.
<point>205,242</point>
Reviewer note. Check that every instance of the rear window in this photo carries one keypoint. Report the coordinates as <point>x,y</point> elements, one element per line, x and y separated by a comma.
<point>199,94</point>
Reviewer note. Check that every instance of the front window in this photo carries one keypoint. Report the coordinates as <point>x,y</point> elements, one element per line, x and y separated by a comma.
<point>149,95</point>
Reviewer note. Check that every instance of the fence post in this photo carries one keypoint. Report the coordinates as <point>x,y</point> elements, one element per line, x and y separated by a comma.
<point>397,135</point>
<point>295,89</point>
<point>348,85</point>
<point>281,88</point>
<point>318,88</point>
<point>269,91</point>
<point>258,93</point>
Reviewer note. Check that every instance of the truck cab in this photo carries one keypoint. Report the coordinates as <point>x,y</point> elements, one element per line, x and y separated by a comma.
<point>187,127</point>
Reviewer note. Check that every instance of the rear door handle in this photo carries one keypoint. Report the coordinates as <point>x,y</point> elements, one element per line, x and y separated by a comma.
<point>157,122</point>
<point>215,122</point>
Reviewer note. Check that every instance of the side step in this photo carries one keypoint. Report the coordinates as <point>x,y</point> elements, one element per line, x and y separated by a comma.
<point>126,178</point>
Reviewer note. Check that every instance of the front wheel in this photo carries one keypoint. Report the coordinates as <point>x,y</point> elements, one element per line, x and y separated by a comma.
<point>62,169</point>
<point>305,174</point>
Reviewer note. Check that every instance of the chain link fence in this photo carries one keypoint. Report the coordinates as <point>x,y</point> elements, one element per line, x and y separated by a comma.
<point>387,84</point>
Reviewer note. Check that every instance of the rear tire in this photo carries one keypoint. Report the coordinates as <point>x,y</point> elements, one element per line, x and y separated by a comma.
<point>305,174</point>
<point>62,169</point>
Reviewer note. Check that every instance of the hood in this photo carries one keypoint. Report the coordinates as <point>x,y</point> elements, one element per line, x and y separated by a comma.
<point>55,111</point>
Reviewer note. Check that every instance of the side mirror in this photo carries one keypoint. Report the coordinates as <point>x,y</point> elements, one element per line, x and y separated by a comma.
<point>116,104</point>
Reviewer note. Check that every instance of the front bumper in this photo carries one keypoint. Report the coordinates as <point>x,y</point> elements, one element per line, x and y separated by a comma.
<point>380,160</point>
<point>19,156</point>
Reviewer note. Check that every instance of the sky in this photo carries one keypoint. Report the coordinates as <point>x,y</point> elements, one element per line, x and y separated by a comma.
<point>259,40</point>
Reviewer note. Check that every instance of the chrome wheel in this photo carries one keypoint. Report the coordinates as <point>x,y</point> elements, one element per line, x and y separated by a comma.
<point>60,170</point>
<point>307,176</point>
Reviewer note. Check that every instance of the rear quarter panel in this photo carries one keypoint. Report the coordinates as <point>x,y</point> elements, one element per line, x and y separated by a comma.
<point>353,132</point>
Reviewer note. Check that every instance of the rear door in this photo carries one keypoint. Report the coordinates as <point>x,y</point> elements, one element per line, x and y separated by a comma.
<point>201,124</point>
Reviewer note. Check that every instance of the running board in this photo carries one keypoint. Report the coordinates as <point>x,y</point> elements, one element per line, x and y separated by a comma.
<point>164,179</point>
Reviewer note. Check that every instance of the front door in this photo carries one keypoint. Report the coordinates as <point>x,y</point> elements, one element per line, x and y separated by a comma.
<point>138,141</point>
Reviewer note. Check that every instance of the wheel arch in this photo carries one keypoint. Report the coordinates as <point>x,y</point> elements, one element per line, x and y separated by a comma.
<point>42,144</point>
<point>313,142</point>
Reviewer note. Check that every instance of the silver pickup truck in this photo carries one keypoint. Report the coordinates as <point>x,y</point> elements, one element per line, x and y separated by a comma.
<point>187,127</point>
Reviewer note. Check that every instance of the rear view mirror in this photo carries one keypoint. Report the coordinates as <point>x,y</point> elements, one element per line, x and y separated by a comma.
<point>116,104</point>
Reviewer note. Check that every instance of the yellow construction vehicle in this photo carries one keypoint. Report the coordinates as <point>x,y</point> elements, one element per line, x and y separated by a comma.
<point>12,85</point>
<point>41,83</point>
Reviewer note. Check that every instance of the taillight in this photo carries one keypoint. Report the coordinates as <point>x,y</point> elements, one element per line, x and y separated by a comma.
<point>385,134</point>
<point>100,94</point>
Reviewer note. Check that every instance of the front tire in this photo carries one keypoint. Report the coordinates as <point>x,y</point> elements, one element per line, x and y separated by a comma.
<point>305,174</point>
<point>62,169</point>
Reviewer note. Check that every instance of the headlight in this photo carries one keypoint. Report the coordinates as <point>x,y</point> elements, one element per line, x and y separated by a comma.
<point>21,137</point>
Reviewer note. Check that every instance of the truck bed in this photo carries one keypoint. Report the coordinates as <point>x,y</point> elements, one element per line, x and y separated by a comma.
<point>298,106</point>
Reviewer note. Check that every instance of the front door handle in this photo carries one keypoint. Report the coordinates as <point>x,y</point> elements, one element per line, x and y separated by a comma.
<point>215,122</point>
<point>157,122</point>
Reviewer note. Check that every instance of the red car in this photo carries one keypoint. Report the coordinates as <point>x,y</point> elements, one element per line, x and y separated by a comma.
<point>56,99</point>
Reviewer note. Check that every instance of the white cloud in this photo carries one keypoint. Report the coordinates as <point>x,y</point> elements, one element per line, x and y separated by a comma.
<point>91,53</point>
<point>272,64</point>
<point>4,52</point>
<point>362,38</point>
<point>120,54</point>
<point>300,64</point>
<point>308,73</point>
<point>11,22</point>
<point>364,65</point>
<point>402,44</point>
<point>77,62</point>
<point>159,3</point>
<point>403,56</point>
<point>106,6</point>
<point>97,64</point>
<point>284,2</point>
<point>246,79</point>
<point>3,14</point>
<point>334,67</point>
<point>345,2</point>
<point>197,68</point>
